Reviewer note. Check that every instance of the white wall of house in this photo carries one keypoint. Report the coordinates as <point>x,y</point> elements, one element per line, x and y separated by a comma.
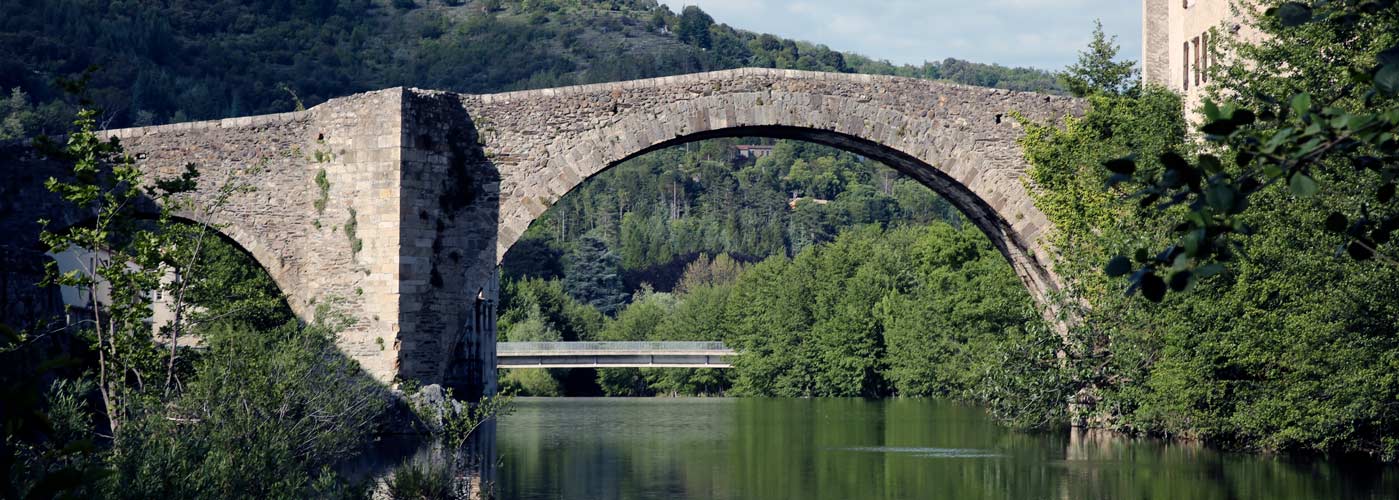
<point>79,300</point>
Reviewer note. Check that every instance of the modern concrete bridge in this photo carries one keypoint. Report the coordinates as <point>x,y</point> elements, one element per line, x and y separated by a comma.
<point>613,355</point>
<point>396,207</point>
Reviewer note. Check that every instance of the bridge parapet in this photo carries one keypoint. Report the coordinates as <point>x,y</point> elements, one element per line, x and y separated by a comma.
<point>613,355</point>
<point>573,348</point>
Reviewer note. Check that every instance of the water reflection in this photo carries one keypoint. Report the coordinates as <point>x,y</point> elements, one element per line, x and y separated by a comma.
<point>845,448</point>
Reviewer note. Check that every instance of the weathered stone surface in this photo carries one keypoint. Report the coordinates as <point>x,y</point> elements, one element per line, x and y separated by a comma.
<point>443,184</point>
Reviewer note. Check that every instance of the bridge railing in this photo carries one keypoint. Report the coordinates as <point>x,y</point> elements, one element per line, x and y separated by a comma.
<point>544,347</point>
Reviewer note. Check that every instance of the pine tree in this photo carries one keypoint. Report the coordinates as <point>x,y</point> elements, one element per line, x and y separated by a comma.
<point>1096,72</point>
<point>592,275</point>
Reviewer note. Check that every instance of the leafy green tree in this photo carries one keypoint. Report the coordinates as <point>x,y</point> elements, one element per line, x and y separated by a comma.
<point>720,271</point>
<point>126,262</point>
<point>531,382</point>
<point>1331,120</point>
<point>1067,175</point>
<point>298,403</point>
<point>1096,71</point>
<point>1240,360</point>
<point>224,283</point>
<point>48,448</point>
<point>546,300</point>
<point>638,321</point>
<point>698,315</point>
<point>694,27</point>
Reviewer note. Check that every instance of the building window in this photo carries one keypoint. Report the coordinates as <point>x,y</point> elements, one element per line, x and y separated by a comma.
<point>1196,41</point>
<point>1205,57</point>
<point>1185,68</point>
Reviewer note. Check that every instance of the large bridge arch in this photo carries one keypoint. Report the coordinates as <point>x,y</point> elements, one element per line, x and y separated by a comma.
<point>959,141</point>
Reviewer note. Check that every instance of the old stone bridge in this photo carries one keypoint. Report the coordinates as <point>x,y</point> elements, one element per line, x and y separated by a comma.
<point>437,186</point>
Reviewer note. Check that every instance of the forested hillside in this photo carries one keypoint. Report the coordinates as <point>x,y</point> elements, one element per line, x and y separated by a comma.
<point>704,198</point>
<point>159,62</point>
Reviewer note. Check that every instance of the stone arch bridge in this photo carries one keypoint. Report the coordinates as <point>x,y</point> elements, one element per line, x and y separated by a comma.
<point>397,205</point>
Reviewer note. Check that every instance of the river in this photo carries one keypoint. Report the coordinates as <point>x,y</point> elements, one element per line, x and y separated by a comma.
<point>810,449</point>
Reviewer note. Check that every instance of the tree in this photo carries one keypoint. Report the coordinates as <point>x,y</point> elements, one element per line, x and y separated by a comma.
<point>17,117</point>
<point>592,275</point>
<point>698,315</point>
<point>694,27</point>
<point>703,271</point>
<point>531,382</point>
<point>1096,71</point>
<point>1239,360</point>
<point>638,321</point>
<point>1337,130</point>
<point>125,262</point>
<point>522,300</point>
<point>298,405</point>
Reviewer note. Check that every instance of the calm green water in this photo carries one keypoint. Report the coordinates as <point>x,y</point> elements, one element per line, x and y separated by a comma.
<point>808,449</point>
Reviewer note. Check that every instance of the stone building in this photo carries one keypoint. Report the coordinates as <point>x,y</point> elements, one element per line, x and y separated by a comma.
<point>1177,38</point>
<point>78,301</point>
<point>753,151</point>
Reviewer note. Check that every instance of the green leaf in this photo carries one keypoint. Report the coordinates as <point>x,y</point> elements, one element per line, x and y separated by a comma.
<point>1302,103</point>
<point>1220,197</point>
<point>1303,185</point>
<point>1309,147</point>
<point>1211,110</point>
<point>1389,55</point>
<point>1211,164</point>
<point>1293,14</point>
<point>1219,127</point>
<point>1277,139</point>
<point>1385,193</point>
<point>1387,79</point>
<point>1142,256</point>
<point>1173,161</point>
<point>1245,117</point>
<point>1118,266</point>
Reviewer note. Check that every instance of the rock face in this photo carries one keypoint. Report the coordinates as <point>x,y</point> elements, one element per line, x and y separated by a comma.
<point>437,186</point>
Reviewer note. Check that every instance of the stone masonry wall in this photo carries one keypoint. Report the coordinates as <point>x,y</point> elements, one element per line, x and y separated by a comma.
<point>306,251</point>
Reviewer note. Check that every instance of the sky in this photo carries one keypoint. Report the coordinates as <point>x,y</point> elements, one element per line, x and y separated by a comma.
<point>1045,34</point>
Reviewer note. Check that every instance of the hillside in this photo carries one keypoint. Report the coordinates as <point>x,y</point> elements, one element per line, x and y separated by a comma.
<point>166,61</point>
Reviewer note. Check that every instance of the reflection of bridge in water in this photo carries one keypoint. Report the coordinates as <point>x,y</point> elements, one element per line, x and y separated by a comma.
<point>613,355</point>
